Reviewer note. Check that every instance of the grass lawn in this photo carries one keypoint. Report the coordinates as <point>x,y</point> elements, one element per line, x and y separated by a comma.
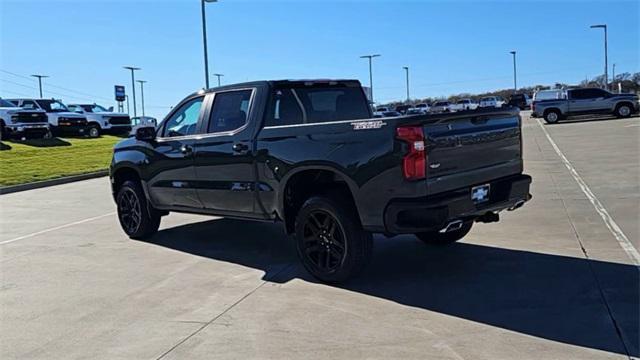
<point>34,160</point>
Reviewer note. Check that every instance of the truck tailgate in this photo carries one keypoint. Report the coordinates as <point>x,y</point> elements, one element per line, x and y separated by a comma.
<point>465,151</point>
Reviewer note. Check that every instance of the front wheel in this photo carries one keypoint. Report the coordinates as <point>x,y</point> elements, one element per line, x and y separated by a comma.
<point>623,111</point>
<point>48,135</point>
<point>438,238</point>
<point>136,218</point>
<point>93,131</point>
<point>330,241</point>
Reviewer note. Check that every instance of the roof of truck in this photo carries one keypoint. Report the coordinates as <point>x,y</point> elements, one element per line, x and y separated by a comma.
<point>276,83</point>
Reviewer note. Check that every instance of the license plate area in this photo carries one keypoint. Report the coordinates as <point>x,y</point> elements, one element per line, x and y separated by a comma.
<point>480,193</point>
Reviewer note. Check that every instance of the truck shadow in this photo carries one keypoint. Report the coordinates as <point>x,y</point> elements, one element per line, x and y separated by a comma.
<point>4,146</point>
<point>547,296</point>
<point>590,118</point>
<point>53,142</point>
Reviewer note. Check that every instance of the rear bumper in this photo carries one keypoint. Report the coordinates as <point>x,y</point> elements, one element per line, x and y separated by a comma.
<point>410,216</point>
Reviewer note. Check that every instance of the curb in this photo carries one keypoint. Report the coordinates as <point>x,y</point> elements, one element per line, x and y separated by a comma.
<point>58,181</point>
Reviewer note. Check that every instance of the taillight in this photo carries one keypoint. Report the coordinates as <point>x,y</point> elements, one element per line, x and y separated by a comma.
<point>414,162</point>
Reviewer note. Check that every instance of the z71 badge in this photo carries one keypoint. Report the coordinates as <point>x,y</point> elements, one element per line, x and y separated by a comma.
<point>363,125</point>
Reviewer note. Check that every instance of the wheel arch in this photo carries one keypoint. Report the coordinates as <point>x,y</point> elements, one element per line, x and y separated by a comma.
<point>306,181</point>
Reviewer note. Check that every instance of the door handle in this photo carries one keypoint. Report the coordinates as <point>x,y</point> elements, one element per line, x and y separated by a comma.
<point>239,147</point>
<point>186,150</point>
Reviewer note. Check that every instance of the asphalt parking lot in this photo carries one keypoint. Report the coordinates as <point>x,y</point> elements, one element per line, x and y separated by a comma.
<point>555,279</point>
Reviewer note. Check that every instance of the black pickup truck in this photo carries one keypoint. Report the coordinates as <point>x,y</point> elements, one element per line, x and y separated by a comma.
<point>310,154</point>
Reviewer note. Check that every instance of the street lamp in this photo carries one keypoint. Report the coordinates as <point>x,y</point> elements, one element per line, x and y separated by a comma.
<point>133,86</point>
<point>370,57</point>
<point>40,82</point>
<point>218,76</point>
<point>606,65</point>
<point>204,41</point>
<point>142,93</point>
<point>406,69</point>
<point>515,84</point>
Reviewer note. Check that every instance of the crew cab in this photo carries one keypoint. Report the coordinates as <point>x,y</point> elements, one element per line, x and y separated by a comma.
<point>61,120</point>
<point>585,101</point>
<point>101,120</point>
<point>21,123</point>
<point>309,154</point>
<point>440,107</point>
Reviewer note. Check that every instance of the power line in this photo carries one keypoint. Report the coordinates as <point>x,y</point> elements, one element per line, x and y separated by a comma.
<point>92,96</point>
<point>15,93</point>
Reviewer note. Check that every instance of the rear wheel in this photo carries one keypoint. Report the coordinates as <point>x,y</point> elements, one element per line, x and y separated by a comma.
<point>623,111</point>
<point>138,219</point>
<point>48,135</point>
<point>438,238</point>
<point>552,116</point>
<point>330,241</point>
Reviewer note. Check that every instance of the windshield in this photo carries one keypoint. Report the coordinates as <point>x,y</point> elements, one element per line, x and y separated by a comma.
<point>95,108</point>
<point>5,103</point>
<point>52,105</point>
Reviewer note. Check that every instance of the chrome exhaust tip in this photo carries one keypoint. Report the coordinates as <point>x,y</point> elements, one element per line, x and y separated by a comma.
<point>517,205</point>
<point>452,226</point>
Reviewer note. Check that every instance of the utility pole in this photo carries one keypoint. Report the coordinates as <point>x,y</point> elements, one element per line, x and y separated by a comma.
<point>406,70</point>
<point>515,83</point>
<point>370,57</point>
<point>606,65</point>
<point>142,93</point>
<point>204,42</point>
<point>133,86</point>
<point>218,76</point>
<point>40,82</point>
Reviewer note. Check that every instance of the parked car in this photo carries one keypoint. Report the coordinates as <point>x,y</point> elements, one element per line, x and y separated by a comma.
<point>308,154</point>
<point>585,101</point>
<point>521,101</point>
<point>415,111</point>
<point>22,123</point>
<point>440,107</point>
<point>382,109</point>
<point>143,121</point>
<point>463,104</point>
<point>402,109</point>
<point>61,120</point>
<point>491,101</point>
<point>101,120</point>
<point>423,106</point>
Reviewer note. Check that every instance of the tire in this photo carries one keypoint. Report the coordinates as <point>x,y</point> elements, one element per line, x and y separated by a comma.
<point>93,131</point>
<point>438,238</point>
<point>138,220</point>
<point>3,134</point>
<point>623,111</point>
<point>552,116</point>
<point>48,135</point>
<point>330,241</point>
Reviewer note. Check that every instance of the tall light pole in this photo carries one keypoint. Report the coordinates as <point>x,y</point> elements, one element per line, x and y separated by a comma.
<point>142,93</point>
<point>204,42</point>
<point>606,65</point>
<point>133,86</point>
<point>406,70</point>
<point>40,81</point>
<point>515,83</point>
<point>218,76</point>
<point>370,57</point>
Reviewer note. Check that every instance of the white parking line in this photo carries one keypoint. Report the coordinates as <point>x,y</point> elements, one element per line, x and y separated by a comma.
<point>608,220</point>
<point>57,228</point>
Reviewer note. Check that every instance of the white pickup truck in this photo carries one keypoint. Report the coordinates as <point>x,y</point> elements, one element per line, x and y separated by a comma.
<point>101,120</point>
<point>21,123</point>
<point>61,120</point>
<point>492,101</point>
<point>464,104</point>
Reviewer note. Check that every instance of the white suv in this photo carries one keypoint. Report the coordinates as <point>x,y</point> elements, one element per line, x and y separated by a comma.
<point>102,120</point>
<point>492,101</point>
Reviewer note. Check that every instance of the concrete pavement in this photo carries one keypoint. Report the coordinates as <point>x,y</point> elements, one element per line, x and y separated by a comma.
<point>549,281</point>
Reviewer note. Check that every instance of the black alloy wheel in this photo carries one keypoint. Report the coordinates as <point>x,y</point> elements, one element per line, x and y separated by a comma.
<point>324,241</point>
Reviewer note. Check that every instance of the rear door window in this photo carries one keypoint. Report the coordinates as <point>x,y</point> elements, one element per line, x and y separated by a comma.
<point>229,111</point>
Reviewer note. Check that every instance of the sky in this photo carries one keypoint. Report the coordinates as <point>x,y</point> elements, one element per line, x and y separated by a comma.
<point>450,47</point>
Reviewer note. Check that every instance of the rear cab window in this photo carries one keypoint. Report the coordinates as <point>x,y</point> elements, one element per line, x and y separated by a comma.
<point>316,103</point>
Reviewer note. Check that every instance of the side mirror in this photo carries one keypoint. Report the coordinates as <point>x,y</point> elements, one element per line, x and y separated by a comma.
<point>110,109</point>
<point>146,133</point>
